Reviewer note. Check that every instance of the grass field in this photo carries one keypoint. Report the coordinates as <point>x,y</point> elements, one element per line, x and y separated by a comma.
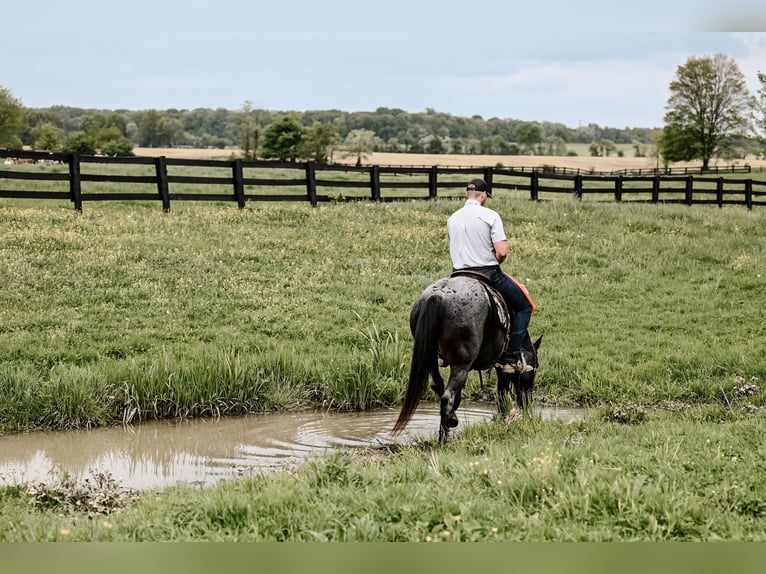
<point>581,161</point>
<point>126,313</point>
<point>651,314</point>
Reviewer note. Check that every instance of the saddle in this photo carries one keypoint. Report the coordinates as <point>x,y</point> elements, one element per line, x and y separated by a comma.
<point>497,303</point>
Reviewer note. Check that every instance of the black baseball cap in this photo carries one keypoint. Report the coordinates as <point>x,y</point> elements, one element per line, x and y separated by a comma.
<point>479,185</point>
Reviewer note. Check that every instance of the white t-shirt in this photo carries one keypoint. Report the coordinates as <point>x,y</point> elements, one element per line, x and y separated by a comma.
<point>472,230</point>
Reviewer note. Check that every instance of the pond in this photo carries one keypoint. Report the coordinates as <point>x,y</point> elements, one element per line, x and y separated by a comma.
<point>202,451</point>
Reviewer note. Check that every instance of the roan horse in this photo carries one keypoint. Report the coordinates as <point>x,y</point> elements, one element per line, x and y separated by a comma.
<point>464,321</point>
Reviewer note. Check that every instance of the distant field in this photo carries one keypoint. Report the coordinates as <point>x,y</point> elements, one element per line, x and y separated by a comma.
<point>581,161</point>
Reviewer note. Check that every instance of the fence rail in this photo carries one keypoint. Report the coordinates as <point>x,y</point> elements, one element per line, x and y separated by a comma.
<point>81,178</point>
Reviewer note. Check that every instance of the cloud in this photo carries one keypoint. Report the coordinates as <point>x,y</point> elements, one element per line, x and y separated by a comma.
<point>755,60</point>
<point>614,93</point>
<point>547,61</point>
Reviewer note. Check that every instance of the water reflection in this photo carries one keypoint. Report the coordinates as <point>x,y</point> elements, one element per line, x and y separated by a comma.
<point>203,451</point>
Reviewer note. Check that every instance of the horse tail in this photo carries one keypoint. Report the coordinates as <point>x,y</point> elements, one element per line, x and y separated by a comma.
<point>424,358</point>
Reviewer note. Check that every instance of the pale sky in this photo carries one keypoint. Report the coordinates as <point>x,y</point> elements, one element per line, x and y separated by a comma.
<point>608,63</point>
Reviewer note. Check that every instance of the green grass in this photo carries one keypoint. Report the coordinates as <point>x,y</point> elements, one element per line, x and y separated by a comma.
<point>695,475</point>
<point>651,314</point>
<point>126,313</point>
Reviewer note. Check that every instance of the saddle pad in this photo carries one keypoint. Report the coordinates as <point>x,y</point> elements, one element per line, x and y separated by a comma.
<point>497,302</point>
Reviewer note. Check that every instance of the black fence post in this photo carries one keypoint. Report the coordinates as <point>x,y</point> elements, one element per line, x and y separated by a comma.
<point>75,183</point>
<point>749,193</point>
<point>161,169</point>
<point>433,182</point>
<point>311,183</point>
<point>719,191</point>
<point>578,186</point>
<point>488,173</point>
<point>656,189</point>
<point>375,182</point>
<point>689,189</point>
<point>239,185</point>
<point>618,188</point>
<point>533,186</point>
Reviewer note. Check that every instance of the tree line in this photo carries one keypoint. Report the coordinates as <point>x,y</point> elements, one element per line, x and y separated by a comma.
<point>389,129</point>
<point>710,113</point>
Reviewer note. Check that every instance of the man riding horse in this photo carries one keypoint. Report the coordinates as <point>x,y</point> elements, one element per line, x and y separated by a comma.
<point>477,244</point>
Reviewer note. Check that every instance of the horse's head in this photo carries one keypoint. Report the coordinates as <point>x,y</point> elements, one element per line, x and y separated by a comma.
<point>523,383</point>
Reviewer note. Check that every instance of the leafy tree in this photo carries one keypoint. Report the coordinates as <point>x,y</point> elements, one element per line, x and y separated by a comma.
<point>171,131</point>
<point>678,144</point>
<point>97,122</point>
<point>529,135</point>
<point>555,145</point>
<point>80,142</point>
<point>111,141</point>
<point>761,108</point>
<point>607,146</point>
<point>359,143</point>
<point>249,131</point>
<point>656,148</point>
<point>319,141</point>
<point>11,120</point>
<point>494,145</point>
<point>586,134</point>
<point>37,121</point>
<point>101,134</point>
<point>46,137</point>
<point>282,139</point>
<point>709,106</point>
<point>213,141</point>
<point>433,144</point>
<point>149,129</point>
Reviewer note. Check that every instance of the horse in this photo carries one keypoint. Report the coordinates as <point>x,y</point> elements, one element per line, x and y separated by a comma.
<point>464,321</point>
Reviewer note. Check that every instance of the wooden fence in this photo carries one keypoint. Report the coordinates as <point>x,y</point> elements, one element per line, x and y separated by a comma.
<point>551,169</point>
<point>95,178</point>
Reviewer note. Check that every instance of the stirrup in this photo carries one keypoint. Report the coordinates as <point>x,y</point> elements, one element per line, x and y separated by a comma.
<point>520,366</point>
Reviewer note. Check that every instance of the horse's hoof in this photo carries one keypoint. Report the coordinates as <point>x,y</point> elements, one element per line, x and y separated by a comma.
<point>452,421</point>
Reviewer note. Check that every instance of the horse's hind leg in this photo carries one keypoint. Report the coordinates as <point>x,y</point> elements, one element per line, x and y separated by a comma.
<point>437,382</point>
<point>450,400</point>
<point>437,386</point>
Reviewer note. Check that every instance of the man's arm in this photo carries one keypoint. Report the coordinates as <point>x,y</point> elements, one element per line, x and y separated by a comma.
<point>501,250</point>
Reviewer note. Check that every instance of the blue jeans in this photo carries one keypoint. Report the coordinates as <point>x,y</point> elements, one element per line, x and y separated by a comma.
<point>517,303</point>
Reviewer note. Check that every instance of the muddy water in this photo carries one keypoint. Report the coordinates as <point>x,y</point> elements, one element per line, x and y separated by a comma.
<point>203,451</point>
